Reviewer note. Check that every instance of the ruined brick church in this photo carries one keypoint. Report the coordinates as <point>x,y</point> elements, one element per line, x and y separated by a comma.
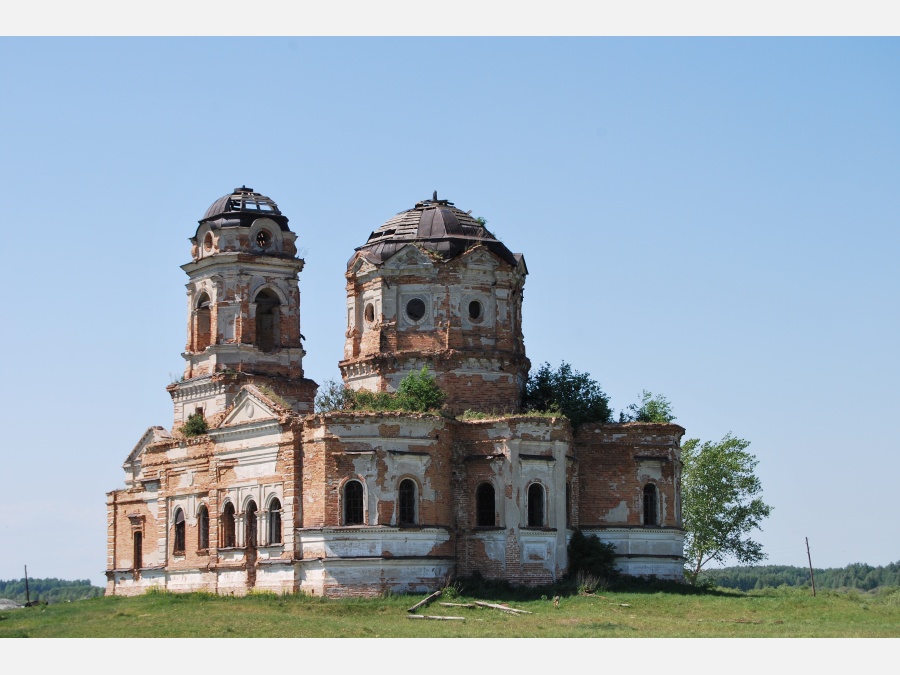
<point>272,496</point>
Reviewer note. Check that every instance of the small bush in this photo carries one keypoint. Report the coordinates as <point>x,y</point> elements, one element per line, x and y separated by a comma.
<point>591,557</point>
<point>195,425</point>
<point>652,409</point>
<point>418,392</point>
<point>587,583</point>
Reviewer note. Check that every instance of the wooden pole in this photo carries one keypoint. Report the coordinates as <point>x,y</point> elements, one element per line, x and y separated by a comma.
<point>424,602</point>
<point>27,594</point>
<point>812,576</point>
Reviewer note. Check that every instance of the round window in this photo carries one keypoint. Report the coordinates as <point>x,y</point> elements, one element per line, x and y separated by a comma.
<point>370,313</point>
<point>476,311</point>
<point>263,238</point>
<point>415,309</point>
<point>208,241</point>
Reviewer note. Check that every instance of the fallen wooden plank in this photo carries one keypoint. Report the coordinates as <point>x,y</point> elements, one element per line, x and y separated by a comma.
<point>468,605</point>
<point>436,618</point>
<point>502,608</point>
<point>424,602</point>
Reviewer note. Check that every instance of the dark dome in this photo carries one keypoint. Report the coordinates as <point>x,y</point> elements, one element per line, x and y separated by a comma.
<point>241,208</point>
<point>436,225</point>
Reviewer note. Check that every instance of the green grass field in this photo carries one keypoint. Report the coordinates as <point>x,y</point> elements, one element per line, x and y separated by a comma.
<point>628,613</point>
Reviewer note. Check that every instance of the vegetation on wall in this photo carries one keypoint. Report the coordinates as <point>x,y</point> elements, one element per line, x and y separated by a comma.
<point>418,392</point>
<point>568,392</point>
<point>195,425</point>
<point>652,408</point>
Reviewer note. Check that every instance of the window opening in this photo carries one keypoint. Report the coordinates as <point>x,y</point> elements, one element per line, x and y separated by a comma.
<point>250,522</point>
<point>202,330</point>
<point>415,309</point>
<point>485,509</point>
<point>179,532</point>
<point>228,526</point>
<point>370,313</point>
<point>353,503</point>
<point>476,310</point>
<point>267,313</point>
<point>275,522</point>
<point>263,238</point>
<point>535,505</point>
<point>203,528</point>
<point>138,550</point>
<point>208,241</point>
<point>650,505</point>
<point>407,505</point>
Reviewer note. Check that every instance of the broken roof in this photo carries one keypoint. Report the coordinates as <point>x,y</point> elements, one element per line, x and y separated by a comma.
<point>436,225</point>
<point>241,208</point>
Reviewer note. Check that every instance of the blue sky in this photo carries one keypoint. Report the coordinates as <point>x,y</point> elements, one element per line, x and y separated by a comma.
<point>711,219</point>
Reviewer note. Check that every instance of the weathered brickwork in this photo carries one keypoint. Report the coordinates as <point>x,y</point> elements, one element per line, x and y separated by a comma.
<point>345,504</point>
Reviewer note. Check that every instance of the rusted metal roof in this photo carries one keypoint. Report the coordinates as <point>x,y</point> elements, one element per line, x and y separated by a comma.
<point>241,208</point>
<point>438,226</point>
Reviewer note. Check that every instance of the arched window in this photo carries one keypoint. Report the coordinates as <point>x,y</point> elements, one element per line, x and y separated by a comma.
<point>274,522</point>
<point>407,502</point>
<point>353,503</point>
<point>179,532</point>
<point>202,324</point>
<point>228,526</point>
<point>536,505</point>
<point>138,551</point>
<point>250,525</point>
<point>650,505</point>
<point>267,314</point>
<point>203,528</point>
<point>485,510</point>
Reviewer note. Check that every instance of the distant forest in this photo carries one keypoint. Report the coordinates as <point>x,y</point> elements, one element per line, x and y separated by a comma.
<point>856,575</point>
<point>49,590</point>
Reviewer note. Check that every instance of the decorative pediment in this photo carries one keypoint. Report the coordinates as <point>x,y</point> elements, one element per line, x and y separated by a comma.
<point>408,256</point>
<point>480,256</point>
<point>361,266</point>
<point>250,405</point>
<point>151,436</point>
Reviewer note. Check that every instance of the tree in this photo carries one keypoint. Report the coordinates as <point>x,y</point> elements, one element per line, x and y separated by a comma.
<point>420,392</point>
<point>332,396</point>
<point>568,392</point>
<point>720,503</point>
<point>652,409</point>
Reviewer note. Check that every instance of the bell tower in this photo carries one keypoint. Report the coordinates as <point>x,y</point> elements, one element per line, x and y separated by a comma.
<point>243,306</point>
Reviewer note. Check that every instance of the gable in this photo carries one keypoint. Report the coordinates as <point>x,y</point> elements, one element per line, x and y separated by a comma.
<point>151,436</point>
<point>408,256</point>
<point>248,407</point>
<point>362,266</point>
<point>480,257</point>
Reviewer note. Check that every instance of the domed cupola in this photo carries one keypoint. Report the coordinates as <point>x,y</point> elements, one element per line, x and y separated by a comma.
<point>243,221</point>
<point>433,287</point>
<point>435,225</point>
<point>241,208</point>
